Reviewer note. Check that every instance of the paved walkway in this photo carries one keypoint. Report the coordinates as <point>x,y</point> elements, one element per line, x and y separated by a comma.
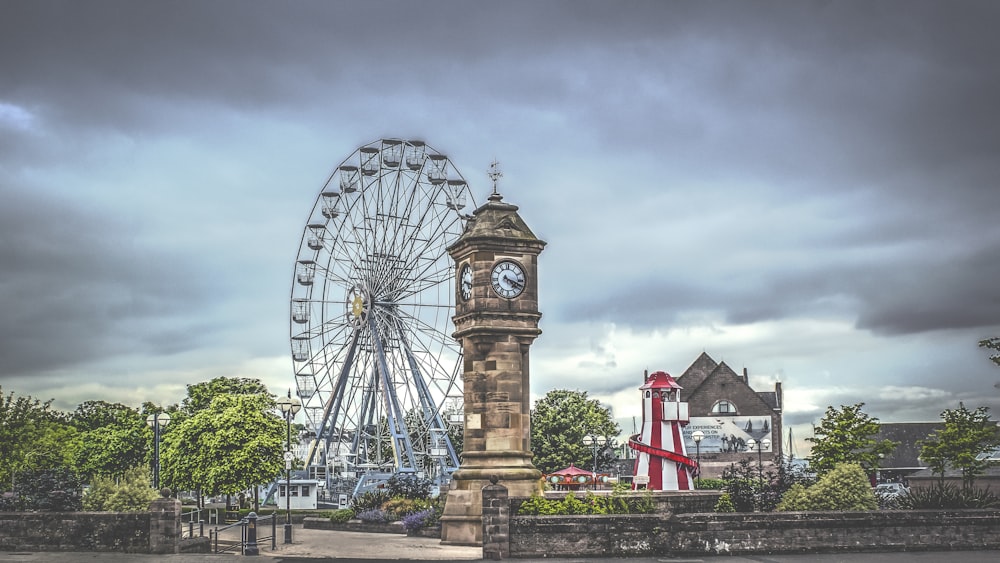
<point>307,545</point>
<point>361,545</point>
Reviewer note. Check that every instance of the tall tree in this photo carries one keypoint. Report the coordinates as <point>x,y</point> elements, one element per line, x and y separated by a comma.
<point>200,395</point>
<point>847,435</point>
<point>958,444</point>
<point>559,422</point>
<point>234,444</point>
<point>115,438</point>
<point>32,436</point>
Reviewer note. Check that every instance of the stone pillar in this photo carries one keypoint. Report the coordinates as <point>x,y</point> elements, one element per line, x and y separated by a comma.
<point>165,524</point>
<point>496,521</point>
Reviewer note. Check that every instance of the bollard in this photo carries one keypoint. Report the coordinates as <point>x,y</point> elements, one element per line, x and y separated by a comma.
<point>251,545</point>
<point>274,531</point>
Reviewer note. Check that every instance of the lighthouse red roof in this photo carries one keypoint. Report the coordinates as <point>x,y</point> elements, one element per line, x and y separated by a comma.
<point>660,380</point>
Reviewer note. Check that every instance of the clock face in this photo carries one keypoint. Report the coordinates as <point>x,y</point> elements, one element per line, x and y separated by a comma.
<point>507,279</point>
<point>465,282</point>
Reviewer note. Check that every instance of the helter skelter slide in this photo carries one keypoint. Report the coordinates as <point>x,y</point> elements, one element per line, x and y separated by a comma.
<point>662,463</point>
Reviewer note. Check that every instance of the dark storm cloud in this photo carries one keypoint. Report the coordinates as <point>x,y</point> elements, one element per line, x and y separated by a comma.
<point>76,286</point>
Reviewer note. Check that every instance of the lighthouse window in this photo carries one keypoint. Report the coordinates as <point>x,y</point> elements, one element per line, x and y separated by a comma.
<point>656,394</point>
<point>724,407</point>
<point>647,394</point>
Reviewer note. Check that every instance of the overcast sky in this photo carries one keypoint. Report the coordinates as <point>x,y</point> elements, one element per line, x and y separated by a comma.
<point>805,189</point>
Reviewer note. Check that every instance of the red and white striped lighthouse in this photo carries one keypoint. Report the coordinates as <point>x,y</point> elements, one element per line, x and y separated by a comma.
<point>662,463</point>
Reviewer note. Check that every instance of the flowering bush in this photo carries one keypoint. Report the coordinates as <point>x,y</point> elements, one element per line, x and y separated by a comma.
<point>417,520</point>
<point>372,515</point>
<point>398,507</point>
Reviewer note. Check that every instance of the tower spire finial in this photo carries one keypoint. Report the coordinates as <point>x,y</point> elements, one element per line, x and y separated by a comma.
<point>495,174</point>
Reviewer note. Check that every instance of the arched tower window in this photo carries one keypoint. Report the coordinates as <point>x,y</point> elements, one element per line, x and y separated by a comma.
<point>724,407</point>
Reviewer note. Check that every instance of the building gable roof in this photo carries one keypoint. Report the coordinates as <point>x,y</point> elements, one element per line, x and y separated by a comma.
<point>768,399</point>
<point>697,372</point>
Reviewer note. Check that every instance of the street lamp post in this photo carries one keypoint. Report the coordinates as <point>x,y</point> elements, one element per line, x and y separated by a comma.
<point>760,447</point>
<point>595,443</point>
<point>156,421</point>
<point>698,435</point>
<point>289,408</point>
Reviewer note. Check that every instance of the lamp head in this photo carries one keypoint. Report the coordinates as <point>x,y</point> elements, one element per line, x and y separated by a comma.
<point>698,435</point>
<point>285,405</point>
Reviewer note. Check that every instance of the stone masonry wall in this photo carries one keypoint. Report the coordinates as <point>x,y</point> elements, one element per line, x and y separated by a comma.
<point>742,533</point>
<point>75,531</point>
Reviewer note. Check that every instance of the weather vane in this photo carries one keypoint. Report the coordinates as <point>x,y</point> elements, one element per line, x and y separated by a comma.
<point>495,174</point>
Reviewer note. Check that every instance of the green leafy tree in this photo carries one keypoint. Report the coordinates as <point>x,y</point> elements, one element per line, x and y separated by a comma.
<point>32,436</point>
<point>49,488</point>
<point>114,438</point>
<point>847,435</point>
<point>236,443</point>
<point>200,395</point>
<point>844,487</point>
<point>559,422</point>
<point>131,493</point>
<point>958,444</point>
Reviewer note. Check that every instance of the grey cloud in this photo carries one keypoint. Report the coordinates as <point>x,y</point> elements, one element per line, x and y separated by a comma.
<point>75,288</point>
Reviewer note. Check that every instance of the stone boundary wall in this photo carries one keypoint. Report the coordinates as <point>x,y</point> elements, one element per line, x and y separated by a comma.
<point>155,531</point>
<point>126,532</point>
<point>748,533</point>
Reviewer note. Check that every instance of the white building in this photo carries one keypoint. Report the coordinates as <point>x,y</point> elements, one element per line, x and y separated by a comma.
<point>300,494</point>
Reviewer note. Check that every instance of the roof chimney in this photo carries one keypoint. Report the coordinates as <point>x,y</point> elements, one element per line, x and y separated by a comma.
<point>746,376</point>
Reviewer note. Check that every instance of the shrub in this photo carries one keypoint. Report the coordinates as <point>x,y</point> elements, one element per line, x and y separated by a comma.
<point>539,506</point>
<point>725,504</point>
<point>370,500</point>
<point>417,520</point>
<point>710,484</point>
<point>948,496</point>
<point>132,493</point>
<point>408,486</point>
<point>397,507</point>
<point>56,489</point>
<point>373,515</point>
<point>793,499</point>
<point>342,515</point>
<point>617,503</point>
<point>845,487</point>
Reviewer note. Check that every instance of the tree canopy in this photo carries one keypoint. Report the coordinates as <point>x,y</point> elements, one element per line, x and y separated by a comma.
<point>32,436</point>
<point>200,395</point>
<point>114,439</point>
<point>234,444</point>
<point>847,435</point>
<point>958,444</point>
<point>559,422</point>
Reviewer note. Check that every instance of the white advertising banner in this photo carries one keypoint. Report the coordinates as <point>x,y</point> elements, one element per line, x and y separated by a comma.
<point>728,433</point>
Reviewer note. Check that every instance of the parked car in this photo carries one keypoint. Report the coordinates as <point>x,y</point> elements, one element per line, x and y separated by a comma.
<point>890,490</point>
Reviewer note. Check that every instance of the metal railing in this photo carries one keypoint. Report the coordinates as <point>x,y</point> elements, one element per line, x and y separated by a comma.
<point>230,544</point>
<point>191,522</point>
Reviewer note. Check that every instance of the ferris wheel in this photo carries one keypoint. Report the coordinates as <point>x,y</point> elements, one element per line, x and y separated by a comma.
<point>371,301</point>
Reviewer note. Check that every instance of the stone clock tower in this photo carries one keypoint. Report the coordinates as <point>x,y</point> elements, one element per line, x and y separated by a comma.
<point>496,320</point>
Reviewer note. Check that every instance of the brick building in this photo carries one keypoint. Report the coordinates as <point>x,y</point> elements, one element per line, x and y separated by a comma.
<point>730,414</point>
